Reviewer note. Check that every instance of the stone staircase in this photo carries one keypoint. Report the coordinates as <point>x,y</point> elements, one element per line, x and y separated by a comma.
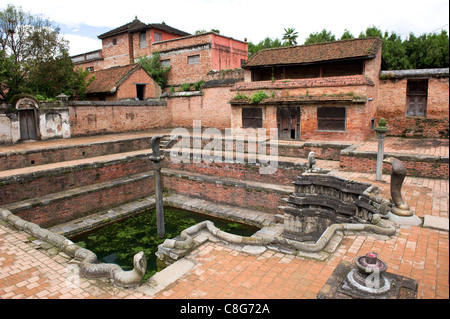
<point>55,182</point>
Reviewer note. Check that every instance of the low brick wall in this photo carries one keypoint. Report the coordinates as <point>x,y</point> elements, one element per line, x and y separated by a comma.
<point>60,211</point>
<point>40,183</point>
<point>69,153</point>
<point>230,192</point>
<point>416,165</point>
<point>90,118</point>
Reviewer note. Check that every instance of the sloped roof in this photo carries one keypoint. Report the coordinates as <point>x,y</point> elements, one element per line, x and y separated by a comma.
<point>319,52</point>
<point>108,80</point>
<point>137,25</point>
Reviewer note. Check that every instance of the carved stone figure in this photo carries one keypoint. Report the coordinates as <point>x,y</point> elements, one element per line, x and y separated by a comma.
<point>311,160</point>
<point>398,174</point>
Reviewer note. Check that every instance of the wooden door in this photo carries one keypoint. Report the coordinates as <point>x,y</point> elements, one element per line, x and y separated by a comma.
<point>28,127</point>
<point>288,122</point>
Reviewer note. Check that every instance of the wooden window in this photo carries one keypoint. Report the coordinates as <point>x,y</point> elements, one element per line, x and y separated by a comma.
<point>114,41</point>
<point>416,97</point>
<point>194,59</point>
<point>142,40</point>
<point>331,118</point>
<point>157,37</point>
<point>252,117</point>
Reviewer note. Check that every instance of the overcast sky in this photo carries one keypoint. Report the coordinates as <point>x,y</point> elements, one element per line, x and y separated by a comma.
<point>81,21</point>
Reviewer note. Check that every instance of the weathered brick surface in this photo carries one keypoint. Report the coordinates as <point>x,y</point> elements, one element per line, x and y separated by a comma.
<point>392,107</point>
<point>227,193</point>
<point>429,167</point>
<point>60,211</point>
<point>41,183</point>
<point>53,155</point>
<point>89,118</point>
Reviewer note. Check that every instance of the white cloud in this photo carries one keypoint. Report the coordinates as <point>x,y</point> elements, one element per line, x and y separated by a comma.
<point>79,44</point>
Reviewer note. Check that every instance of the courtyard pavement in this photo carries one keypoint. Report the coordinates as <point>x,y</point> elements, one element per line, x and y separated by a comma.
<point>28,270</point>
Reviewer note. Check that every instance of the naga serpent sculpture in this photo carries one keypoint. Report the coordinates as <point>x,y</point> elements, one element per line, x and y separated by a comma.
<point>398,174</point>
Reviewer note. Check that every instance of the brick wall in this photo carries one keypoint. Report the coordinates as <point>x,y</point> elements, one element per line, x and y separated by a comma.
<point>417,166</point>
<point>89,118</point>
<point>60,211</point>
<point>60,179</point>
<point>392,107</point>
<point>230,194</point>
<point>212,107</point>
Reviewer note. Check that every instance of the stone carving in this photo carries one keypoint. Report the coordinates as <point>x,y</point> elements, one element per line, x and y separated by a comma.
<point>26,103</point>
<point>89,264</point>
<point>398,174</point>
<point>311,161</point>
<point>320,201</point>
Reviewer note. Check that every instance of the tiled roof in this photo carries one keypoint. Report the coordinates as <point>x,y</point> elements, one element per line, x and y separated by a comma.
<point>108,80</point>
<point>137,25</point>
<point>319,52</point>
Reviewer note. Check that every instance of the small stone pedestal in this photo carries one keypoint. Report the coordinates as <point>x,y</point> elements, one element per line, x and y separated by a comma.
<point>350,282</point>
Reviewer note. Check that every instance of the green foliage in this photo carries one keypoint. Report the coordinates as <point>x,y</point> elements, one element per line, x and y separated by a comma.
<point>290,36</point>
<point>185,87</point>
<point>346,35</point>
<point>34,58</point>
<point>258,97</point>
<point>198,85</point>
<point>319,37</point>
<point>152,64</point>
<point>267,43</point>
<point>240,96</point>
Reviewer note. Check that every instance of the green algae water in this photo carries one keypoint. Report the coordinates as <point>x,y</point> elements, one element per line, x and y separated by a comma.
<point>118,242</point>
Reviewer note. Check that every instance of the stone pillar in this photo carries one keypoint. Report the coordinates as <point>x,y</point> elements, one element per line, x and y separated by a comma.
<point>156,158</point>
<point>381,132</point>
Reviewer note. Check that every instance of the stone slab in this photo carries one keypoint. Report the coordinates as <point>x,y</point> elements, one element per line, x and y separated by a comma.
<point>434,222</point>
<point>166,277</point>
<point>405,220</point>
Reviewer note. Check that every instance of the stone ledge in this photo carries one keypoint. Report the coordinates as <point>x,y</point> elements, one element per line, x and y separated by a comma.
<point>434,222</point>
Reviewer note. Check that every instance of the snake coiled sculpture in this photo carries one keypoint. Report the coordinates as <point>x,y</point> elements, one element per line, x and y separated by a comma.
<point>397,177</point>
<point>90,267</point>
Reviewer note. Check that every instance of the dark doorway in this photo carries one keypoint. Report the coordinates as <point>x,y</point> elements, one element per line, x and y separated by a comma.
<point>28,125</point>
<point>288,122</point>
<point>140,92</point>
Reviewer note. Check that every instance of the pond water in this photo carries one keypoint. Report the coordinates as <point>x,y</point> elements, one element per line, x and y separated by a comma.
<point>118,242</point>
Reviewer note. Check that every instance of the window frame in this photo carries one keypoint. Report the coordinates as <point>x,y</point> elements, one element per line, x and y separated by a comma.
<point>414,94</point>
<point>246,118</point>
<point>344,119</point>
<point>142,40</point>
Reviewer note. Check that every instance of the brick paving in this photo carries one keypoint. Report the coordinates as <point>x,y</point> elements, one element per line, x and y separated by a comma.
<point>29,271</point>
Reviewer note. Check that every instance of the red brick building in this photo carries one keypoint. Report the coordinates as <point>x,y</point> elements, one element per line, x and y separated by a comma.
<point>129,82</point>
<point>191,56</point>
<point>326,91</point>
<point>415,102</point>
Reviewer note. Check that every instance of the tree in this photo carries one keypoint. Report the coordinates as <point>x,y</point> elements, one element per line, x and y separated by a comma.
<point>152,64</point>
<point>26,41</point>
<point>319,37</point>
<point>290,36</point>
<point>346,35</point>
<point>267,43</point>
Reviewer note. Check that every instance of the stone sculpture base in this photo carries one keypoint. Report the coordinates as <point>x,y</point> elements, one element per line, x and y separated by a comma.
<point>412,220</point>
<point>337,286</point>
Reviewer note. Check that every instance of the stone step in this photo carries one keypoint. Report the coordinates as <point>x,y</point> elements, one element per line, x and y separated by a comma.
<point>228,212</point>
<point>248,194</point>
<point>54,151</point>
<point>56,208</point>
<point>29,182</point>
